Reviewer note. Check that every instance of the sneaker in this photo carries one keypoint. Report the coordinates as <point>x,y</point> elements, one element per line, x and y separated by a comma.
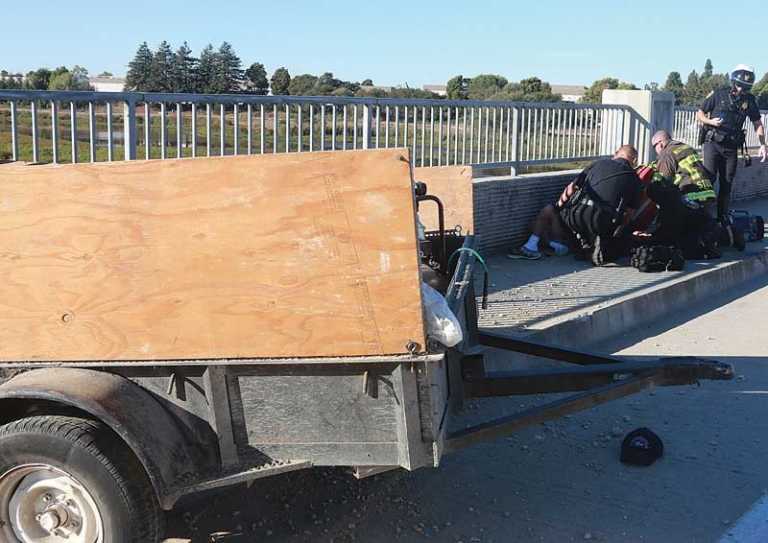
<point>559,250</point>
<point>524,253</point>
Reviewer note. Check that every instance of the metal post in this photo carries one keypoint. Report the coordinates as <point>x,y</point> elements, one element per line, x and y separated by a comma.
<point>194,130</point>
<point>515,142</point>
<point>236,129</point>
<point>129,127</point>
<point>73,130</point>
<point>92,130</point>
<point>163,132</point>
<point>179,129</point>
<point>35,135</point>
<point>147,131</point>
<point>55,131</point>
<point>14,132</point>
<point>366,126</point>
<point>110,139</point>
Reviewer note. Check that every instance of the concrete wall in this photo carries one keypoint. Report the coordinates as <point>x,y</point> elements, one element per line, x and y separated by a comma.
<point>504,207</point>
<point>751,182</point>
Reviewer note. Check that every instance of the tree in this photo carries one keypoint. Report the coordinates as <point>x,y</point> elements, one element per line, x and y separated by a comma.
<point>75,79</point>
<point>161,78</point>
<point>229,75</point>
<point>205,73</point>
<point>183,70</point>
<point>594,94</point>
<point>674,84</point>
<point>531,89</point>
<point>484,86</point>
<point>707,73</point>
<point>326,84</point>
<point>760,90</point>
<point>302,85</point>
<point>280,81</point>
<point>367,83</point>
<point>106,74</point>
<point>256,81</point>
<point>139,70</point>
<point>39,79</point>
<point>692,91</point>
<point>457,88</point>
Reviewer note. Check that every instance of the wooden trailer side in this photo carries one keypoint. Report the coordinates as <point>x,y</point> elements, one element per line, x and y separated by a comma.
<point>292,255</point>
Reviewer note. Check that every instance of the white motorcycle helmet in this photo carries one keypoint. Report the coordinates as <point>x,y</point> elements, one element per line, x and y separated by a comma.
<point>744,76</point>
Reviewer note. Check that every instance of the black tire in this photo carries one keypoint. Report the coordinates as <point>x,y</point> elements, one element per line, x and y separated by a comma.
<point>96,458</point>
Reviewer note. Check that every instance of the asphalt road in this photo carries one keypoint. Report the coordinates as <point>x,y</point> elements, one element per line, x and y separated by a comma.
<point>557,482</point>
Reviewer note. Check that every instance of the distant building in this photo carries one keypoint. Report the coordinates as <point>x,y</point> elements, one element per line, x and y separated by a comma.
<point>570,93</point>
<point>440,90</point>
<point>107,84</point>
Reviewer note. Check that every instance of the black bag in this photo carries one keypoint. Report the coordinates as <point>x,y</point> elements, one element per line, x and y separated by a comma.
<point>657,258</point>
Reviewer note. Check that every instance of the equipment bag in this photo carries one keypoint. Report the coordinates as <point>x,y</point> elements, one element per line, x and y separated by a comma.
<point>657,258</point>
<point>753,226</point>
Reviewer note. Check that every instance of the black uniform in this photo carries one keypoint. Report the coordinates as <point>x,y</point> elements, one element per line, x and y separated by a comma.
<point>721,143</point>
<point>605,189</point>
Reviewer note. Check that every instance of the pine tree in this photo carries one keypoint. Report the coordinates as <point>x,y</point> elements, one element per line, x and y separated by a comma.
<point>183,70</point>
<point>280,81</point>
<point>139,70</point>
<point>162,69</point>
<point>229,75</point>
<point>674,84</point>
<point>707,73</point>
<point>206,69</point>
<point>692,91</point>
<point>256,79</point>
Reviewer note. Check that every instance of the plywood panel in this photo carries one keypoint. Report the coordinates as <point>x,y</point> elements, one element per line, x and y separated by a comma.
<point>233,257</point>
<point>453,185</point>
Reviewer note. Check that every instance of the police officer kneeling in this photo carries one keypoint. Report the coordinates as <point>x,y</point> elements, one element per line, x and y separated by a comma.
<point>723,115</point>
<point>595,211</point>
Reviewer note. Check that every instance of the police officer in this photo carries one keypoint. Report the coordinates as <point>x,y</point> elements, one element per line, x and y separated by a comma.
<point>723,114</point>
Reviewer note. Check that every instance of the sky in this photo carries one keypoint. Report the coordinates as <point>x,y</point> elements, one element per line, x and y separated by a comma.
<point>401,42</point>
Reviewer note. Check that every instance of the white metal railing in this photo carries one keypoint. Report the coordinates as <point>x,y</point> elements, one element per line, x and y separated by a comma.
<point>686,127</point>
<point>87,126</point>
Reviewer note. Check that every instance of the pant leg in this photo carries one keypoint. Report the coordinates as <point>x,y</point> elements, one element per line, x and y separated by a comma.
<point>730,160</point>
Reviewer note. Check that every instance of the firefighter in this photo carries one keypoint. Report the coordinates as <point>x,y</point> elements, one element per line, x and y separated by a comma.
<point>681,166</point>
<point>723,114</point>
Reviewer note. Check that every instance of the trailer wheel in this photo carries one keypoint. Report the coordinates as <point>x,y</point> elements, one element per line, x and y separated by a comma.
<point>71,480</point>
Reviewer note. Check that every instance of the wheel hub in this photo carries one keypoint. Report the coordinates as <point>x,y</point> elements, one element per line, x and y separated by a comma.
<point>48,505</point>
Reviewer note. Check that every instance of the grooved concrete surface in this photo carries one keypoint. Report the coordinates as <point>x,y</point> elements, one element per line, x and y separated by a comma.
<point>529,296</point>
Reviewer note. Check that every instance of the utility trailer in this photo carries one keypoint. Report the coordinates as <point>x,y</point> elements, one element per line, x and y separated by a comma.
<point>171,327</point>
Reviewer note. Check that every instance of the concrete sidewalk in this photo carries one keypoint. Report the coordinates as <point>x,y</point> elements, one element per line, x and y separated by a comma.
<point>562,301</point>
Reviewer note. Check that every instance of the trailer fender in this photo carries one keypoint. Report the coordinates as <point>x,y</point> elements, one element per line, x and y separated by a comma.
<point>154,435</point>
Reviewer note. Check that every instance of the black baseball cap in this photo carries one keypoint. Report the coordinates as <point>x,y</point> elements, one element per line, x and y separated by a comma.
<point>641,447</point>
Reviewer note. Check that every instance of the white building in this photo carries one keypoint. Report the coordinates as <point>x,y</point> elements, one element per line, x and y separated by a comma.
<point>570,93</point>
<point>107,84</point>
<point>440,90</point>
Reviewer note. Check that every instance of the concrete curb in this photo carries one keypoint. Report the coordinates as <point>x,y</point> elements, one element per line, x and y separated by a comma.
<point>635,310</point>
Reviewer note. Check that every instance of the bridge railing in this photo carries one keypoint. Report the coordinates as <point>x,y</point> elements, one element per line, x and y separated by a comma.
<point>686,127</point>
<point>43,126</point>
